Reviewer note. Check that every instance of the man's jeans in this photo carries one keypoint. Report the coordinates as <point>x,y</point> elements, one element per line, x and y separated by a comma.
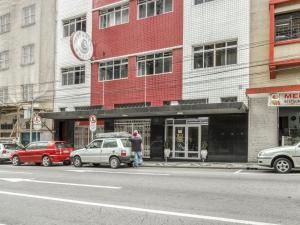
<point>138,159</point>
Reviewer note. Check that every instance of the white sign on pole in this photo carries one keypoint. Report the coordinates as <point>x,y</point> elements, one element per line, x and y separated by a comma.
<point>93,123</point>
<point>37,122</point>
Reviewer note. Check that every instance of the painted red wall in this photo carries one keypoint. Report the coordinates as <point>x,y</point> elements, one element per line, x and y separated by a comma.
<point>158,32</point>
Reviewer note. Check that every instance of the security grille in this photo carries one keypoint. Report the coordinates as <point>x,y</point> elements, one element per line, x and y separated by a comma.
<point>144,128</point>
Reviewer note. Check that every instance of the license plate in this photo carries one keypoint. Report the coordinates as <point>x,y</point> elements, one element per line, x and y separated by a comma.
<point>66,151</point>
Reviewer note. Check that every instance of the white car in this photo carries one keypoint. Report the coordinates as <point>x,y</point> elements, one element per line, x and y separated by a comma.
<point>6,149</point>
<point>109,148</point>
<point>282,159</point>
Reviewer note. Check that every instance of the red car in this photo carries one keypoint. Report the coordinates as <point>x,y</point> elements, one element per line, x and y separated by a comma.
<point>44,153</point>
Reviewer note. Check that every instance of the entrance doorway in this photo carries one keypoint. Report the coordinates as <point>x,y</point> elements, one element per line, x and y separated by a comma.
<point>186,141</point>
<point>186,137</point>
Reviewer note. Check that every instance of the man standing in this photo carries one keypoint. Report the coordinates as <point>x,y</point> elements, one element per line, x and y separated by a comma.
<point>136,141</point>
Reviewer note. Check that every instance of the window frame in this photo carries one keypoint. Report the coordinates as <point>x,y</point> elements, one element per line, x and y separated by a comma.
<point>28,51</point>
<point>112,64</point>
<point>27,92</point>
<point>5,23</point>
<point>3,95</point>
<point>202,50</point>
<point>4,60</point>
<point>31,15</point>
<point>71,71</point>
<point>110,140</point>
<point>145,2</point>
<point>204,1</point>
<point>112,11</point>
<point>68,22</point>
<point>291,20</point>
<point>152,57</point>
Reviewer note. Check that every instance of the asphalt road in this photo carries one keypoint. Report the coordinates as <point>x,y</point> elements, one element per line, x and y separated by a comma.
<point>65,195</point>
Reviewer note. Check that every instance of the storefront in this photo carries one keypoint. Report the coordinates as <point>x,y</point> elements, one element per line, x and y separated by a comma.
<point>185,130</point>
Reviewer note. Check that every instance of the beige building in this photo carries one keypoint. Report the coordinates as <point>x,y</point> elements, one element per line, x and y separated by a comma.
<point>27,64</point>
<point>274,101</point>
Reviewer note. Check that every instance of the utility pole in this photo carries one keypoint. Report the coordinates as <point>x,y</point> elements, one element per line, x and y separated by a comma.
<point>31,117</point>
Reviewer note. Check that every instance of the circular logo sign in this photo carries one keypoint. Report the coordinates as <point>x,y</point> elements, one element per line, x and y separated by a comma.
<point>93,123</point>
<point>82,46</point>
<point>37,122</point>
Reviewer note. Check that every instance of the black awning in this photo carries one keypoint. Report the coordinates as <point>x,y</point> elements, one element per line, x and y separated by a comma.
<point>178,110</point>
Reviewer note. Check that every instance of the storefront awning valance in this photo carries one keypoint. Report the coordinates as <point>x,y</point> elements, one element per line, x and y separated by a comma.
<point>178,110</point>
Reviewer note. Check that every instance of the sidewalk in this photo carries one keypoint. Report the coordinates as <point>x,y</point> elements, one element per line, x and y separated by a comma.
<point>212,165</point>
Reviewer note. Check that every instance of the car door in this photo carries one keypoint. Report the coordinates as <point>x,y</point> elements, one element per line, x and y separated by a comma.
<point>297,156</point>
<point>94,151</point>
<point>91,152</point>
<point>28,154</point>
<point>41,149</point>
<point>109,148</point>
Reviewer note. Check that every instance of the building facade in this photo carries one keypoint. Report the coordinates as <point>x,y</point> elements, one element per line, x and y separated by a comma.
<point>274,81</point>
<point>73,76</point>
<point>27,43</point>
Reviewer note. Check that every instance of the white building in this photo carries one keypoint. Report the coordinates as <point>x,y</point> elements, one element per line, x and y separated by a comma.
<point>216,45</point>
<point>27,40</point>
<point>72,75</point>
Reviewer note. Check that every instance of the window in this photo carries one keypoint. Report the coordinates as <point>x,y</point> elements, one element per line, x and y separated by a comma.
<point>3,95</point>
<point>197,2</point>
<point>4,23</point>
<point>154,64</point>
<point>229,99</point>
<point>114,16</point>
<point>110,144</point>
<point>63,109</point>
<point>28,54</point>
<point>29,15</point>
<point>96,144</point>
<point>27,92</point>
<point>213,55</point>
<point>31,146</point>
<point>287,26</point>
<point>73,25</point>
<point>4,60</point>
<point>11,146</point>
<point>147,8</point>
<point>113,70</point>
<point>42,145</point>
<point>73,75</point>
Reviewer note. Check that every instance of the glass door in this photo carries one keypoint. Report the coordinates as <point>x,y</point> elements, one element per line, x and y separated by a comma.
<point>186,141</point>
<point>179,142</point>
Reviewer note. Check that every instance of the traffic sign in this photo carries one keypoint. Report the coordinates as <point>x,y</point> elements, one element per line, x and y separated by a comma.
<point>37,122</point>
<point>93,123</point>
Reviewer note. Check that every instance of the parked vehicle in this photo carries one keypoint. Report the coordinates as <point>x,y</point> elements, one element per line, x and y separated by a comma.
<point>7,148</point>
<point>109,148</point>
<point>43,152</point>
<point>282,159</point>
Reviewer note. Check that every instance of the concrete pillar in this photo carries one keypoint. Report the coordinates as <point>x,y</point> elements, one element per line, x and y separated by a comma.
<point>263,126</point>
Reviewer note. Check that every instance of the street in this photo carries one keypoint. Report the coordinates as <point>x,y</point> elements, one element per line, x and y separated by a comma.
<point>99,195</point>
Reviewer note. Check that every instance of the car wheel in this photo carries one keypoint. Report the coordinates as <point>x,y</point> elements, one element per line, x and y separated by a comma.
<point>282,165</point>
<point>114,162</point>
<point>66,163</point>
<point>46,161</point>
<point>77,161</point>
<point>16,161</point>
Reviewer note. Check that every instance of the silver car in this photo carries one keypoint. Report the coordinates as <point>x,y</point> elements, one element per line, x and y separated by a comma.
<point>282,159</point>
<point>6,149</point>
<point>109,148</point>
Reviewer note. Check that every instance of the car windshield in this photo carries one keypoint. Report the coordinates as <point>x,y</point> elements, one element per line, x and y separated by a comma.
<point>126,143</point>
<point>11,146</point>
<point>63,145</point>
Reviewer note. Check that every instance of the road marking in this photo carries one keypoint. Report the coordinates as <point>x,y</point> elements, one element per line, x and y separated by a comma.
<point>15,180</point>
<point>7,171</point>
<point>111,172</point>
<point>128,208</point>
<point>238,171</point>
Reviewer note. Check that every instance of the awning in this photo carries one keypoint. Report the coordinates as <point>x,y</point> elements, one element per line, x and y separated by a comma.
<point>178,110</point>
